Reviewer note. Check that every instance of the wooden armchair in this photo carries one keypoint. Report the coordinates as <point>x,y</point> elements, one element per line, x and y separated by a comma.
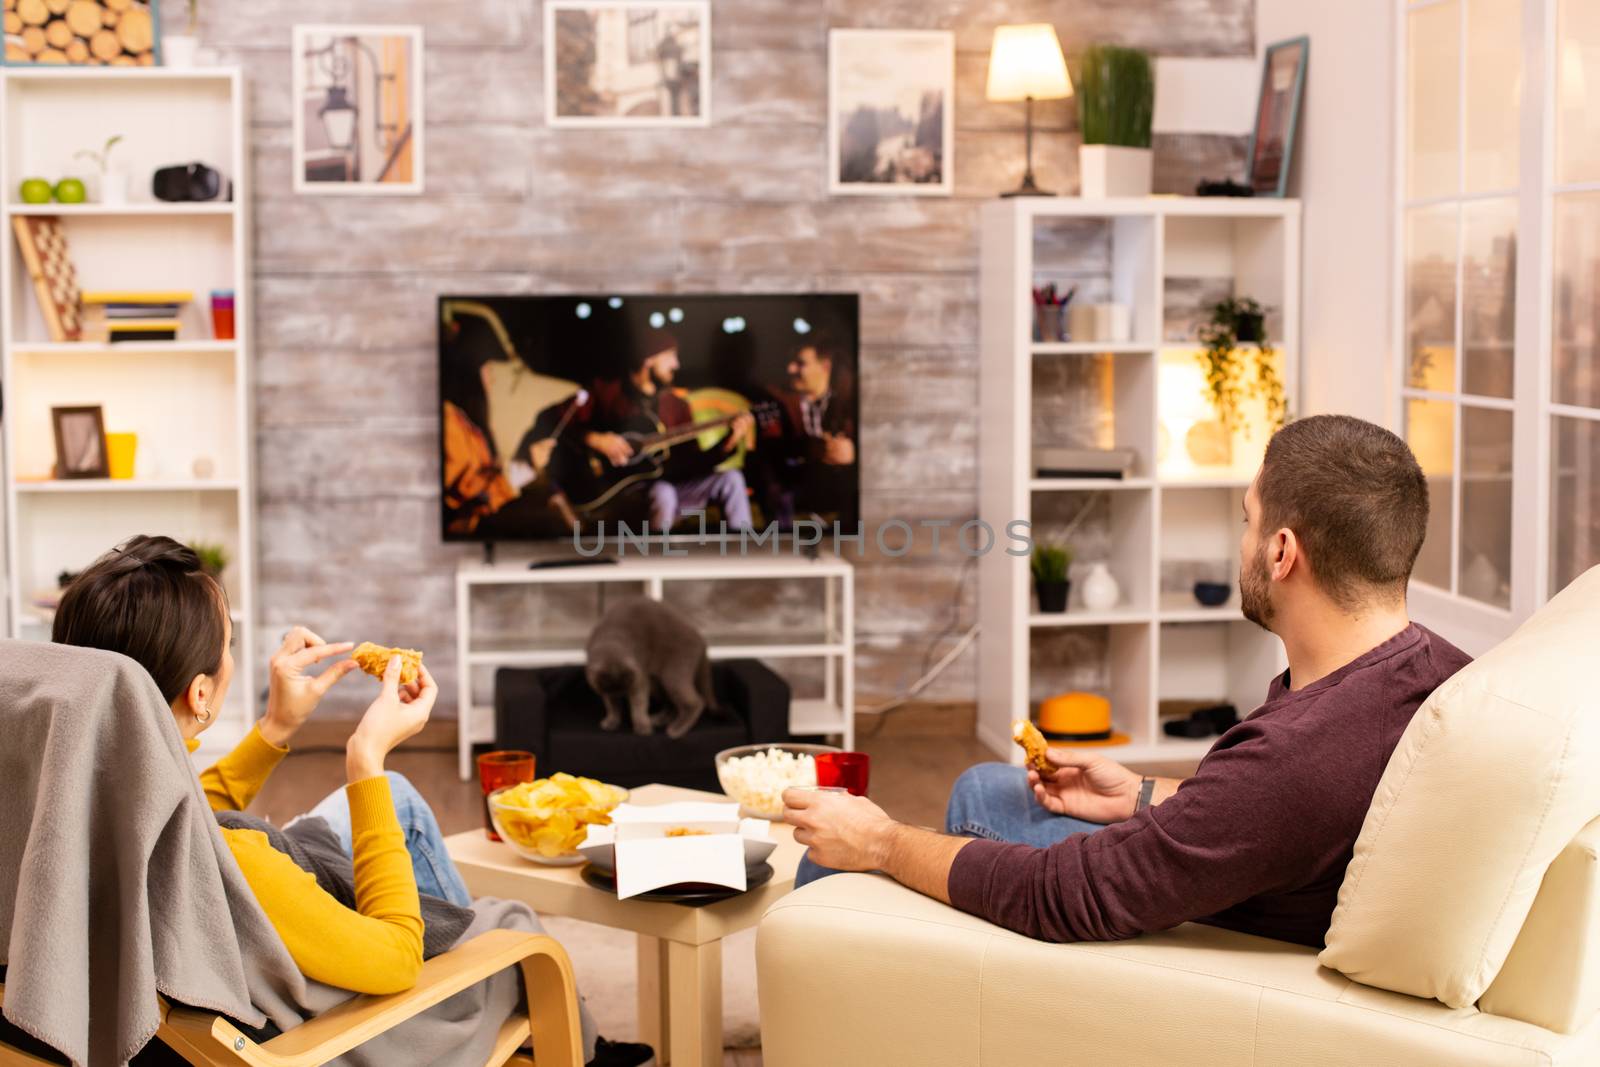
<point>209,1040</point>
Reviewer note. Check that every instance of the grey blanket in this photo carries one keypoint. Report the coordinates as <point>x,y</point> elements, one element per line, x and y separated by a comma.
<point>116,884</point>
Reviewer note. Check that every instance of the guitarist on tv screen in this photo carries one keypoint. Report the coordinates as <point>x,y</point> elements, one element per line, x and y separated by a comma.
<point>638,435</point>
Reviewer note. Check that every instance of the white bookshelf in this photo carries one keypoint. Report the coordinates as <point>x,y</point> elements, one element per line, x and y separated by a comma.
<point>187,399</point>
<point>1158,644</point>
<point>830,712</point>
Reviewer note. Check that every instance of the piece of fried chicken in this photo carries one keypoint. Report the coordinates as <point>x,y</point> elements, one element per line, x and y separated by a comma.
<point>1032,741</point>
<point>374,659</point>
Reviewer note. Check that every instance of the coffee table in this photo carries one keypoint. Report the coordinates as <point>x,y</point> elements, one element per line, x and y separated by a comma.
<point>680,947</point>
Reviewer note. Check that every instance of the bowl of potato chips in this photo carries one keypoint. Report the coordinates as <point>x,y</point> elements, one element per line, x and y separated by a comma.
<point>546,820</point>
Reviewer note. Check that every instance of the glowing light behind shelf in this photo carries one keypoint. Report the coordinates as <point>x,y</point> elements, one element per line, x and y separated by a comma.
<point>1184,400</point>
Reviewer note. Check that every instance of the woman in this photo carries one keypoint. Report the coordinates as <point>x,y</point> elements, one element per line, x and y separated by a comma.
<point>149,600</point>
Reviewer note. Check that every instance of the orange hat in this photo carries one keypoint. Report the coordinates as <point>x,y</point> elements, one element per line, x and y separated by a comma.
<point>1076,717</point>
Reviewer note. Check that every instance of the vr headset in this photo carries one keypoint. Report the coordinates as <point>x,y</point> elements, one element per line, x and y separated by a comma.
<point>195,181</point>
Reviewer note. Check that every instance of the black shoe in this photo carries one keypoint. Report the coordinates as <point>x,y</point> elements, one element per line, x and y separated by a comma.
<point>620,1054</point>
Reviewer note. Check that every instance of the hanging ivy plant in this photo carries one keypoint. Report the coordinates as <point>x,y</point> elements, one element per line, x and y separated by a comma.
<point>1234,322</point>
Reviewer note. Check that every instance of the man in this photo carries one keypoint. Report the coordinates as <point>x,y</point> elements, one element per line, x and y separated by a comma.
<point>1259,838</point>
<point>645,401</point>
<point>806,455</point>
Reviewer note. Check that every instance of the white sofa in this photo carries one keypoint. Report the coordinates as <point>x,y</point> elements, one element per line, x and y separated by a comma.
<point>1475,882</point>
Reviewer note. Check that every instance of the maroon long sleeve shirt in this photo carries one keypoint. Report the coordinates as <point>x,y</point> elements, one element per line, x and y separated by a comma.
<point>1257,841</point>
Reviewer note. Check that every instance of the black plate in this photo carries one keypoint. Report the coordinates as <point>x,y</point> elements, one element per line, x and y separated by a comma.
<point>696,897</point>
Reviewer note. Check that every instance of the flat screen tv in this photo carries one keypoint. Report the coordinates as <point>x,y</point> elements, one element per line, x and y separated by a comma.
<point>687,416</point>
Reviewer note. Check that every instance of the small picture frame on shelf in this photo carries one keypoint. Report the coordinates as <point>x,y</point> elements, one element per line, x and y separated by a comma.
<point>80,442</point>
<point>1283,79</point>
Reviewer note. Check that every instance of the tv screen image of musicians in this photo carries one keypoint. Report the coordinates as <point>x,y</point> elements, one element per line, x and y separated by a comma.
<point>559,413</point>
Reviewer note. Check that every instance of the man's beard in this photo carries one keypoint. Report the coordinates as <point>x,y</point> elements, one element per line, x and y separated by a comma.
<point>1255,583</point>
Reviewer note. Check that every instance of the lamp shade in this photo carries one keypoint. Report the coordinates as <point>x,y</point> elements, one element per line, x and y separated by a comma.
<point>1026,61</point>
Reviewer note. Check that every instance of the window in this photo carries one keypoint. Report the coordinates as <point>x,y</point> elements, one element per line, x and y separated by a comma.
<point>1574,407</point>
<point>1499,299</point>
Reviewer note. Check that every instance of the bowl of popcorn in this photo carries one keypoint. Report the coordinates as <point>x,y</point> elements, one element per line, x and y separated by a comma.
<point>757,775</point>
<point>546,820</point>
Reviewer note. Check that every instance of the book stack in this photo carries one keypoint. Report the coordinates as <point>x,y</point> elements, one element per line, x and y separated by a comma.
<point>133,315</point>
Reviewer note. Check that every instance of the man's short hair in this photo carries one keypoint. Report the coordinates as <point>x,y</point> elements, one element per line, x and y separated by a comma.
<point>1355,497</point>
<point>652,342</point>
<point>827,346</point>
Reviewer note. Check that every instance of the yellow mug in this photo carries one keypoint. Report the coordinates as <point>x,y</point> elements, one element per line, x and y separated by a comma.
<point>120,450</point>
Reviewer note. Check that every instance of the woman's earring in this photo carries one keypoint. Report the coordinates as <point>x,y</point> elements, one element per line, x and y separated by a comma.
<point>203,718</point>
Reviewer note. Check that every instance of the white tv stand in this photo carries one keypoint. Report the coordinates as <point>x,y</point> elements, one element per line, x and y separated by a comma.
<point>832,713</point>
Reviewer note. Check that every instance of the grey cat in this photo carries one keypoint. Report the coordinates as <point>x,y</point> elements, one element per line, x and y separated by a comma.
<point>642,646</point>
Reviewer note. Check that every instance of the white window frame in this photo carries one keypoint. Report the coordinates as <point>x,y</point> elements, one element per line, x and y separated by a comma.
<point>1473,625</point>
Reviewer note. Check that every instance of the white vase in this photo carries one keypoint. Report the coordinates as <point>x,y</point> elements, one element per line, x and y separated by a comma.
<point>178,49</point>
<point>114,187</point>
<point>1100,590</point>
<point>1112,170</point>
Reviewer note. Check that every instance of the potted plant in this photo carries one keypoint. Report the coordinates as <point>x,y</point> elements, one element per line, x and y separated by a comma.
<point>1050,563</point>
<point>113,184</point>
<point>178,49</point>
<point>214,558</point>
<point>1236,322</point>
<point>1116,99</point>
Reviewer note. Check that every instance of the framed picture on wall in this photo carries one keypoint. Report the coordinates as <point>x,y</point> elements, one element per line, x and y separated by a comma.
<point>80,442</point>
<point>891,113</point>
<point>112,33</point>
<point>627,62</point>
<point>1283,80</point>
<point>358,109</point>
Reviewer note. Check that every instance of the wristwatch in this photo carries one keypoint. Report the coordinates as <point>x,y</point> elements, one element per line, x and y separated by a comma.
<point>1147,789</point>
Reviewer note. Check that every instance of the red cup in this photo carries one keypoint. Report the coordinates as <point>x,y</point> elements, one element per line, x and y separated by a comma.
<point>496,770</point>
<point>847,769</point>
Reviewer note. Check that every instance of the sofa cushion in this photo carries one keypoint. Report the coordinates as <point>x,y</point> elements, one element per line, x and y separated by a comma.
<point>1493,778</point>
<point>857,971</point>
<point>1549,979</point>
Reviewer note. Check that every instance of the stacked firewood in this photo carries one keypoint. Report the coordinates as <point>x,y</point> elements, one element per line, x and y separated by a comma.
<point>118,33</point>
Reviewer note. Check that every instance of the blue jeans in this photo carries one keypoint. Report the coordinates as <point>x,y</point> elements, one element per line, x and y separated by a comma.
<point>989,800</point>
<point>436,874</point>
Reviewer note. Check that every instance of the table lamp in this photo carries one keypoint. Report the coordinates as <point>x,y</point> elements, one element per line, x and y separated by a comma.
<point>1026,64</point>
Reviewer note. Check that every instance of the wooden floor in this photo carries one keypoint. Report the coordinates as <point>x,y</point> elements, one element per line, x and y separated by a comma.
<point>916,753</point>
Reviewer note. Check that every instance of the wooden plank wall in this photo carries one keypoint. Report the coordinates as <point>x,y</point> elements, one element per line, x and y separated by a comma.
<point>345,287</point>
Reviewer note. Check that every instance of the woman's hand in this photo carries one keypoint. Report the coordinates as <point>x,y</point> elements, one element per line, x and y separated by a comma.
<point>293,695</point>
<point>398,713</point>
<point>1086,786</point>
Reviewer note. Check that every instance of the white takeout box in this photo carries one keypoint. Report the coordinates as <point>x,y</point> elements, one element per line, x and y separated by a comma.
<point>643,858</point>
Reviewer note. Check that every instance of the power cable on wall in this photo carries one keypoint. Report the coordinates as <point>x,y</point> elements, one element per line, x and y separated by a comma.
<point>931,674</point>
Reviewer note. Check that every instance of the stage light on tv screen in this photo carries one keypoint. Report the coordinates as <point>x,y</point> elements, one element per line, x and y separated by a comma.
<point>555,419</point>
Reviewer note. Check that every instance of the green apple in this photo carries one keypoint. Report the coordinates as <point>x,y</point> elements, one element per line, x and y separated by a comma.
<point>71,191</point>
<point>35,191</point>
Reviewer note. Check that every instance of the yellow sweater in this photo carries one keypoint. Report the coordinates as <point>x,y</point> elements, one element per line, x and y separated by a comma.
<point>375,949</point>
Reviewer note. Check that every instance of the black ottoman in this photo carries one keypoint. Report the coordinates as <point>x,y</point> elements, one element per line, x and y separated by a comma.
<point>552,712</point>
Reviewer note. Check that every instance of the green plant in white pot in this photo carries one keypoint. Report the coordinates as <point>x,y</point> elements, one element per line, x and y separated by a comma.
<point>1116,100</point>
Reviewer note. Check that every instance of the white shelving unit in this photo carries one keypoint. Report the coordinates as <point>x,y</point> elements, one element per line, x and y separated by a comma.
<point>1159,645</point>
<point>187,399</point>
<point>830,713</point>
